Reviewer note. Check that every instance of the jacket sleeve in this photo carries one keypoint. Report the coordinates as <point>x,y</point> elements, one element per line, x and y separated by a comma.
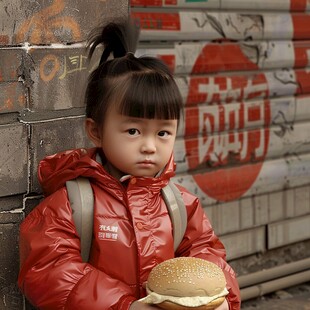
<point>52,274</point>
<point>200,241</point>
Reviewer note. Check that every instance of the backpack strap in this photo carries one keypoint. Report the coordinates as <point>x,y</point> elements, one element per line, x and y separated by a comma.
<point>81,198</point>
<point>177,211</point>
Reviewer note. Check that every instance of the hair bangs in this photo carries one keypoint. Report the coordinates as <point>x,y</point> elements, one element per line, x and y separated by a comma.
<point>151,95</point>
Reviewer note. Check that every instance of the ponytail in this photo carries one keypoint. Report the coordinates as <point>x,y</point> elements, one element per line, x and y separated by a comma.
<point>118,39</point>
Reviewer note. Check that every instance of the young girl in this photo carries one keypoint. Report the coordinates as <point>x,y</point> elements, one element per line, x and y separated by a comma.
<point>133,107</point>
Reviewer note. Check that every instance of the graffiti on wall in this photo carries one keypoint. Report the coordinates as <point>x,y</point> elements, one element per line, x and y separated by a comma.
<point>201,25</point>
<point>240,147</point>
<point>229,111</point>
<point>11,98</point>
<point>4,39</point>
<point>52,66</point>
<point>45,25</point>
<point>291,5</point>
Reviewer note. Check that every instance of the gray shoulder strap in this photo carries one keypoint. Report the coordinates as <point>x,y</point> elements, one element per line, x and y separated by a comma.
<point>177,211</point>
<point>82,201</point>
<point>81,198</point>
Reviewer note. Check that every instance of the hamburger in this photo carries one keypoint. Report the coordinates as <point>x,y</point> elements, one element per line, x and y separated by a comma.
<point>186,283</point>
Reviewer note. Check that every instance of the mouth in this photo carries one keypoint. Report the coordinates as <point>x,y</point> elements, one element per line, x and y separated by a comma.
<point>146,163</point>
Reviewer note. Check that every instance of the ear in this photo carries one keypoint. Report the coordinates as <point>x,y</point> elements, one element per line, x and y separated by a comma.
<point>93,131</point>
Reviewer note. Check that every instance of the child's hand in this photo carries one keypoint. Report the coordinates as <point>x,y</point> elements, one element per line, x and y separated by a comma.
<point>223,306</point>
<point>142,306</point>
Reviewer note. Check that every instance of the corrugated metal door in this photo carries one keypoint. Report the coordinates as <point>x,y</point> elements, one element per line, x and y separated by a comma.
<point>244,145</point>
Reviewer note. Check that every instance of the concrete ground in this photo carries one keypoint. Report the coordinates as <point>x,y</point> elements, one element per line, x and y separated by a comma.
<point>294,298</point>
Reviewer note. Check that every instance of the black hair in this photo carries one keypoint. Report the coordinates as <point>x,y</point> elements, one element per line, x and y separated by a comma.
<point>141,87</point>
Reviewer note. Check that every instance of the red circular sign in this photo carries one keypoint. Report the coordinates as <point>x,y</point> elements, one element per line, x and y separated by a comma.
<point>230,139</point>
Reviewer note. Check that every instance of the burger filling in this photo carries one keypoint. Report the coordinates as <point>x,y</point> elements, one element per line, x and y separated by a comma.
<point>154,298</point>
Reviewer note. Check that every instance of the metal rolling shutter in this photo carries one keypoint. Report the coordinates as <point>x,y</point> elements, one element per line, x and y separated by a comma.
<point>243,149</point>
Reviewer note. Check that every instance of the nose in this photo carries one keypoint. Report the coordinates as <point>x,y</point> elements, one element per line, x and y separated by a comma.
<point>148,146</point>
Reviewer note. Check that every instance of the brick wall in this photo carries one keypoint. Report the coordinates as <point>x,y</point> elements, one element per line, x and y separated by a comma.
<point>42,73</point>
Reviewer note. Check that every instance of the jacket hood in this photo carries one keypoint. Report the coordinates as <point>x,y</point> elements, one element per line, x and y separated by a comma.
<point>55,170</point>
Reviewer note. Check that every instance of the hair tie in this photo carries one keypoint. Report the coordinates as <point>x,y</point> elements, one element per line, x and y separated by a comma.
<point>130,55</point>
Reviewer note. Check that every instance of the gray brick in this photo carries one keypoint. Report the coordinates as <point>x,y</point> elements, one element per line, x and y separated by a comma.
<point>13,159</point>
<point>10,297</point>
<point>11,60</point>
<point>10,203</point>
<point>59,77</point>
<point>12,97</point>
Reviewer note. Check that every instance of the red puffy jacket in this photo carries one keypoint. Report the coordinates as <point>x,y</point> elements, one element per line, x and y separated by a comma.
<point>132,234</point>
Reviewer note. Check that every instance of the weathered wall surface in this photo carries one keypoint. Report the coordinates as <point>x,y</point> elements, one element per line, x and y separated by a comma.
<point>242,68</point>
<point>243,147</point>
<point>42,72</point>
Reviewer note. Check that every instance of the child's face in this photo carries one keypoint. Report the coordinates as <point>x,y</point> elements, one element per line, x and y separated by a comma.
<point>137,146</point>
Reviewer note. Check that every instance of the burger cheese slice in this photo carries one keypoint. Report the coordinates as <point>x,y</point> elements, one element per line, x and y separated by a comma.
<point>186,283</point>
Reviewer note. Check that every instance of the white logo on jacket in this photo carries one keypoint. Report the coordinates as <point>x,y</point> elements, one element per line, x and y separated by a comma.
<point>108,232</point>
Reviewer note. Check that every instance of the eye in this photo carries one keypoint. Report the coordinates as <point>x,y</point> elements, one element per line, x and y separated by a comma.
<point>133,132</point>
<point>164,134</point>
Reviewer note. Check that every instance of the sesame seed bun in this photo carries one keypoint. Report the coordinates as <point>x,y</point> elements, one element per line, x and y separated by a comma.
<point>187,283</point>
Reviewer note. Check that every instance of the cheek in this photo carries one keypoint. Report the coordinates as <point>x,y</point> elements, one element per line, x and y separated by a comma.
<point>117,148</point>
<point>167,149</point>
<point>107,140</point>
<point>126,148</point>
<point>110,145</point>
